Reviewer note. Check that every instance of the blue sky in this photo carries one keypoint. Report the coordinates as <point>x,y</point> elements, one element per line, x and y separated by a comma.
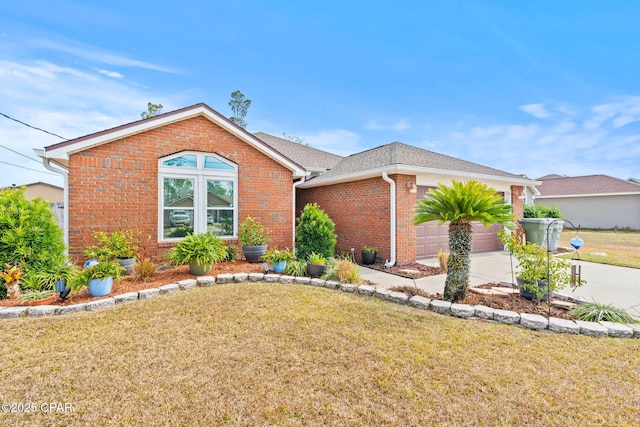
<point>527,87</point>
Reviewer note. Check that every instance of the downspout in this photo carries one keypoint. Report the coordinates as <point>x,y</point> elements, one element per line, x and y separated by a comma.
<point>295,186</point>
<point>65,175</point>
<point>392,220</point>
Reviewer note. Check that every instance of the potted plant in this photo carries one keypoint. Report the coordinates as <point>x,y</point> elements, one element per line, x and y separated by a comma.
<point>253,237</point>
<point>57,277</point>
<point>11,277</point>
<point>316,265</point>
<point>537,273</point>
<point>117,245</point>
<point>369,254</point>
<point>540,221</point>
<point>98,277</point>
<point>200,251</point>
<point>278,259</point>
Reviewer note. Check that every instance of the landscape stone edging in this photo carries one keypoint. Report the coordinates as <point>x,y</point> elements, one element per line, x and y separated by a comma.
<point>480,312</point>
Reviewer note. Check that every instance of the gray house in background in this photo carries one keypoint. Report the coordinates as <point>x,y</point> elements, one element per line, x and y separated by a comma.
<point>593,201</point>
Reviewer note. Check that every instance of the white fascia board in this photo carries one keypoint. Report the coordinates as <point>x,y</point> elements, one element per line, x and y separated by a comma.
<point>573,196</point>
<point>62,153</point>
<point>413,170</point>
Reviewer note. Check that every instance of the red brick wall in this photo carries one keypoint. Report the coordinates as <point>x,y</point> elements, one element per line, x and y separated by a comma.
<point>361,212</point>
<point>517,200</point>
<point>115,186</point>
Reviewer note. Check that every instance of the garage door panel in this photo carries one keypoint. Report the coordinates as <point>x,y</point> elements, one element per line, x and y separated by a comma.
<point>431,237</point>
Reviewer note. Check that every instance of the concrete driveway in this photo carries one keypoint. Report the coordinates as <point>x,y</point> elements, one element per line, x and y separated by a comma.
<point>608,284</point>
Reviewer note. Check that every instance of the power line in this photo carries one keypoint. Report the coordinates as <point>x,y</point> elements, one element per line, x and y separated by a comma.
<point>33,127</point>
<point>24,167</point>
<point>23,155</point>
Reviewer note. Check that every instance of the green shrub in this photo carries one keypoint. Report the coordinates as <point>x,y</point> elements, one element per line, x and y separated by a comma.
<point>598,312</point>
<point>253,233</point>
<point>204,248</point>
<point>315,233</point>
<point>117,244</point>
<point>29,234</point>
<point>296,267</point>
<point>541,211</point>
<point>343,271</point>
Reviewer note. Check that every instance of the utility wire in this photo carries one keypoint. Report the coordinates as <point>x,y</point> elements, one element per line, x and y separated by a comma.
<point>33,127</point>
<point>23,167</point>
<point>23,155</point>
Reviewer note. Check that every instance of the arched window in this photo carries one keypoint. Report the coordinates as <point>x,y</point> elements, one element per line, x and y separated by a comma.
<point>197,193</point>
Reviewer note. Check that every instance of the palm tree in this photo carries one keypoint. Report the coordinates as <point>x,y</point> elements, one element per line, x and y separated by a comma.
<point>460,205</point>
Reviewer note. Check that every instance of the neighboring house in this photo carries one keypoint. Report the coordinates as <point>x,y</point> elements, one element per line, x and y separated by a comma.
<point>593,201</point>
<point>196,161</point>
<point>49,192</point>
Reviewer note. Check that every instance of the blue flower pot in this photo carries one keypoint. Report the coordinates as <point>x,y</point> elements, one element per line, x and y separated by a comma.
<point>279,266</point>
<point>100,287</point>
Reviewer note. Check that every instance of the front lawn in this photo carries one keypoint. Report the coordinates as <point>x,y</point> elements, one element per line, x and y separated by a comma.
<point>620,248</point>
<point>272,354</point>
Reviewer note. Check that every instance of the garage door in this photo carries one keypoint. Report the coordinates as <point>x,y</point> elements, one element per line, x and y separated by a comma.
<point>431,237</point>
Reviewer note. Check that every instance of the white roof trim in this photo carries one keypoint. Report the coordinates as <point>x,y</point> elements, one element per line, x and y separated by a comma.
<point>63,152</point>
<point>636,193</point>
<point>412,170</point>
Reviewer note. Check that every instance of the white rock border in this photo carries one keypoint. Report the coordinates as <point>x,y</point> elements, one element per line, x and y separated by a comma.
<point>477,312</point>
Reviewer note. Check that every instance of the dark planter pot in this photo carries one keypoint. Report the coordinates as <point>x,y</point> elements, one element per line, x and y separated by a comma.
<point>369,258</point>
<point>62,289</point>
<point>100,287</point>
<point>198,269</point>
<point>127,264</point>
<point>254,254</point>
<point>279,266</point>
<point>315,270</point>
<point>542,288</point>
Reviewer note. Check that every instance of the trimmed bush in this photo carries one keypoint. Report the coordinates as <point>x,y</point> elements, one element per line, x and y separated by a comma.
<point>541,211</point>
<point>315,233</point>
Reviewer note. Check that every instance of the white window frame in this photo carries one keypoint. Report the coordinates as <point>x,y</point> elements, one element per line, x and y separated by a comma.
<point>200,176</point>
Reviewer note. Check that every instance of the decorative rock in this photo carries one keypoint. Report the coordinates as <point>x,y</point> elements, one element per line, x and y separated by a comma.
<point>383,293</point>
<point>506,316</point>
<point>256,277</point>
<point>592,329</point>
<point>187,284</point>
<point>165,289</point>
<point>205,280</point>
<point>271,278</point>
<point>100,304</point>
<point>534,321</point>
<point>366,290</point>
<point>439,306</point>
<point>617,330</point>
<point>348,287</point>
<point>12,312</point>
<point>636,330</point>
<point>484,312</point>
<point>302,280</point>
<point>419,302</point>
<point>563,326</point>
<point>128,297</point>
<point>332,284</point>
<point>238,277</point>
<point>66,309</point>
<point>287,280</point>
<point>42,310</point>
<point>317,282</point>
<point>463,310</point>
<point>226,278</point>
<point>399,297</point>
<point>150,293</point>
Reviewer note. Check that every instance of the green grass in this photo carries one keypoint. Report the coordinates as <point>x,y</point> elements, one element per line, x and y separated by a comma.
<point>270,354</point>
<point>620,248</point>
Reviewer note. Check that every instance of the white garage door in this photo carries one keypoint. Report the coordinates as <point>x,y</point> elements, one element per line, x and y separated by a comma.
<point>431,237</point>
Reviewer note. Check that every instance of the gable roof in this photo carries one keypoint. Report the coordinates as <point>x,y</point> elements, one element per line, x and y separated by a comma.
<point>60,152</point>
<point>590,185</point>
<point>402,158</point>
<point>308,157</point>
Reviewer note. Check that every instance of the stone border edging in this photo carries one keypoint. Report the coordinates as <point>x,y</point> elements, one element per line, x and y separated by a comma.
<point>465,311</point>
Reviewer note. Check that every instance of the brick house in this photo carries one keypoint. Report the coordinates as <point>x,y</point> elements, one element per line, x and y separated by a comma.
<point>194,167</point>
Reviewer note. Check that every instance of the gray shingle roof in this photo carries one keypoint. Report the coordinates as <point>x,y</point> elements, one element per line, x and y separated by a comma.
<point>590,184</point>
<point>398,153</point>
<point>305,156</point>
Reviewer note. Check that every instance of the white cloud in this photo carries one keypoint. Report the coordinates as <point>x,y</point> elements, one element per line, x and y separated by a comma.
<point>486,132</point>
<point>536,110</point>
<point>398,126</point>
<point>113,74</point>
<point>336,141</point>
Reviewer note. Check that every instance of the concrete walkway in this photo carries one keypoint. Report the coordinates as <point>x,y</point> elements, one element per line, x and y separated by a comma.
<point>608,284</point>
